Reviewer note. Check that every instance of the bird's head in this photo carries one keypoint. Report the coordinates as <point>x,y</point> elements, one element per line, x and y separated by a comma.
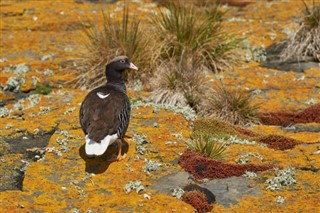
<point>117,65</point>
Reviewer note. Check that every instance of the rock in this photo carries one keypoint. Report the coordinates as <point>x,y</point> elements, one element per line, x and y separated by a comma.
<point>228,190</point>
<point>167,183</point>
<point>273,60</point>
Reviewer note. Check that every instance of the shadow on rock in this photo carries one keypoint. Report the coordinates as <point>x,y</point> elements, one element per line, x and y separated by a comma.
<point>274,60</point>
<point>98,165</point>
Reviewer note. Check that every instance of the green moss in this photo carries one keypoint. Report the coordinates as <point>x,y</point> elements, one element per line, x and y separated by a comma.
<point>43,89</point>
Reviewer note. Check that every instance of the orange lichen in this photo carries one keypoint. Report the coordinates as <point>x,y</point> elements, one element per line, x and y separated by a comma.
<point>31,30</point>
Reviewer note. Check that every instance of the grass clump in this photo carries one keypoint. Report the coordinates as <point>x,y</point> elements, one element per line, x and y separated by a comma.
<point>197,32</point>
<point>179,84</point>
<point>117,36</point>
<point>233,106</point>
<point>208,145</point>
<point>306,41</point>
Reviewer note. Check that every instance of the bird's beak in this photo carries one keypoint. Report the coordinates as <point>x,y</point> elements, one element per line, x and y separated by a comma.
<point>132,66</point>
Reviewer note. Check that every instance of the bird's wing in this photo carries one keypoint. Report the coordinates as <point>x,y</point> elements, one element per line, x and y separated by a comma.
<point>102,113</point>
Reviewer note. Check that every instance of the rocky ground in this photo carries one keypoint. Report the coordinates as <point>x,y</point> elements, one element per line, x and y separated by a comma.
<point>43,166</point>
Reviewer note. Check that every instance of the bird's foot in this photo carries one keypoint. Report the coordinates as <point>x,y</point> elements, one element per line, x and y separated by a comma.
<point>121,157</point>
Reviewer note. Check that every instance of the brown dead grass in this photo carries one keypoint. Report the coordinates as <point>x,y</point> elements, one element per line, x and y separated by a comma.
<point>306,41</point>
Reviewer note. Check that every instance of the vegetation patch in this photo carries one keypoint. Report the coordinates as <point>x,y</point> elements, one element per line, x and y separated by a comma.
<point>306,41</point>
<point>198,200</point>
<point>279,142</point>
<point>117,36</point>
<point>234,106</point>
<point>200,166</point>
<point>281,118</point>
<point>207,144</point>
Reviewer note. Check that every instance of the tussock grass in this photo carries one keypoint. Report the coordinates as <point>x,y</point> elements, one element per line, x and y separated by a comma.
<point>234,106</point>
<point>124,36</point>
<point>306,41</point>
<point>187,30</point>
<point>179,83</point>
<point>207,144</point>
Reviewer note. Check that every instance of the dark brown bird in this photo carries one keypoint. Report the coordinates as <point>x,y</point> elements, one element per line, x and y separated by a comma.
<point>105,111</point>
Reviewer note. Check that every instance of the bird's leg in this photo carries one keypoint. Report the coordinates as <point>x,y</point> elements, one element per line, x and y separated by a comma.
<point>120,157</point>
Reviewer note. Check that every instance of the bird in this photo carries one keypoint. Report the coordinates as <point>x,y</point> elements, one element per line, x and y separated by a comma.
<point>105,111</point>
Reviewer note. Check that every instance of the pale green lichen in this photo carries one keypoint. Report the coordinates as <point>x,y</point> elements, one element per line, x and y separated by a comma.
<point>177,192</point>
<point>69,111</point>
<point>48,72</point>
<point>133,185</point>
<point>4,112</point>
<point>140,141</point>
<point>186,111</point>
<point>17,69</point>
<point>13,83</point>
<point>151,165</point>
<point>249,174</point>
<point>246,158</point>
<point>284,177</point>
<point>280,199</point>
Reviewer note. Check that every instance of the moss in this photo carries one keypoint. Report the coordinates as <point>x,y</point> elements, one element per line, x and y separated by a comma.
<point>201,166</point>
<point>198,200</point>
<point>283,118</point>
<point>279,142</point>
<point>43,89</point>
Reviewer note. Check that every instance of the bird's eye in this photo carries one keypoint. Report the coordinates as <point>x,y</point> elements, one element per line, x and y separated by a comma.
<point>122,61</point>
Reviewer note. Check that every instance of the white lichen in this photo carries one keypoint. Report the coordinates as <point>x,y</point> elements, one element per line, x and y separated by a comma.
<point>19,69</point>
<point>69,111</point>
<point>151,165</point>
<point>249,174</point>
<point>13,83</point>
<point>4,112</point>
<point>280,199</point>
<point>284,177</point>
<point>140,141</point>
<point>177,192</point>
<point>244,159</point>
<point>186,111</point>
<point>48,72</point>
<point>133,185</point>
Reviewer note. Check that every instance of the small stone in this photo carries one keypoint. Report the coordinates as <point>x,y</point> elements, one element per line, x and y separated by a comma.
<point>146,196</point>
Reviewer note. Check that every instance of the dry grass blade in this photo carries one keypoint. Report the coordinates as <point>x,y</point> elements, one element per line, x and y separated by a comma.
<point>197,32</point>
<point>233,106</point>
<point>179,83</point>
<point>123,36</point>
<point>306,41</point>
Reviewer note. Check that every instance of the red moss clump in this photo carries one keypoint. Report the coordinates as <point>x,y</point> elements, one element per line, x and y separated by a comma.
<point>201,166</point>
<point>198,200</point>
<point>308,115</point>
<point>279,142</point>
<point>276,118</point>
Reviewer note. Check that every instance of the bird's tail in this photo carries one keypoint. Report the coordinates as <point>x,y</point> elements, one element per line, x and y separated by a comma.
<point>94,148</point>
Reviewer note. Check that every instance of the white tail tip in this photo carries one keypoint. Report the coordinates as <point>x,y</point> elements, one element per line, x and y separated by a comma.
<point>93,148</point>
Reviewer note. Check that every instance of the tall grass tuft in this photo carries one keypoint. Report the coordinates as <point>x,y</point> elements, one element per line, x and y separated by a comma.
<point>187,30</point>
<point>234,106</point>
<point>179,83</point>
<point>117,36</point>
<point>306,41</point>
<point>207,144</point>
